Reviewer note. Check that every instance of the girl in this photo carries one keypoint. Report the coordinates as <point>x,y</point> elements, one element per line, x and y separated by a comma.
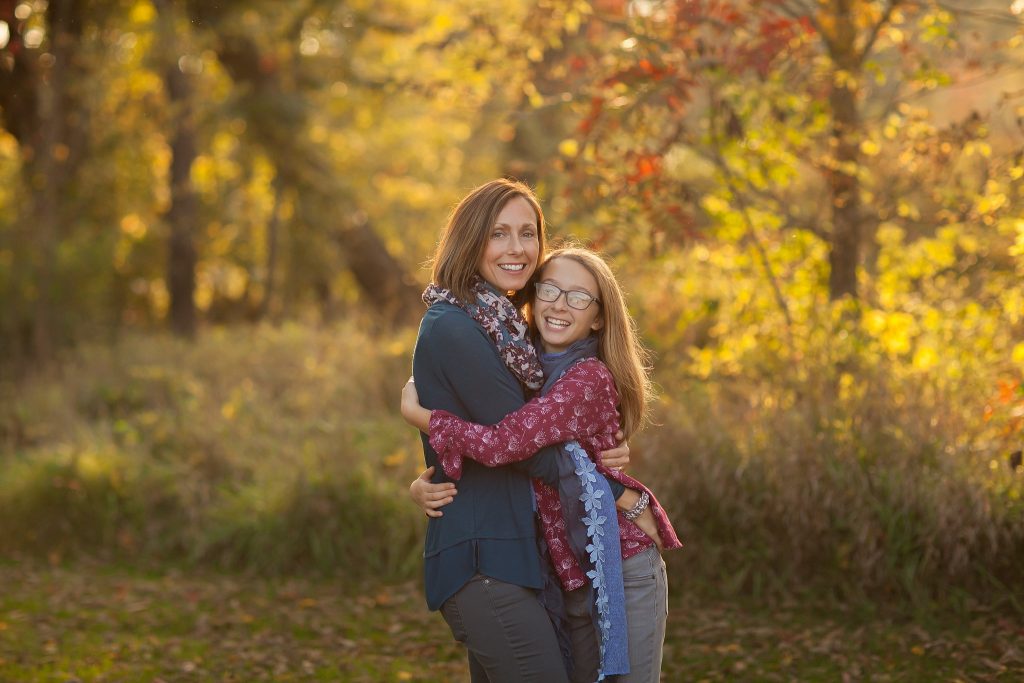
<point>596,380</point>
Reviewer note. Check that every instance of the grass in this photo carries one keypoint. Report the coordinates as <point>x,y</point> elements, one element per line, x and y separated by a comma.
<point>92,622</point>
<point>270,450</point>
<point>276,451</point>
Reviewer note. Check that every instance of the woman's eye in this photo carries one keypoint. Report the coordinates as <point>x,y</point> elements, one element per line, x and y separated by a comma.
<point>528,234</point>
<point>497,234</point>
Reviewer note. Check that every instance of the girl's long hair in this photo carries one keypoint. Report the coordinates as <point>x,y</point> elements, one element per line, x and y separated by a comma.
<point>457,258</point>
<point>619,345</point>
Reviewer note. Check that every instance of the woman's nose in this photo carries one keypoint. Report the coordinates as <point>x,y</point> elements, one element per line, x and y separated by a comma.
<point>515,245</point>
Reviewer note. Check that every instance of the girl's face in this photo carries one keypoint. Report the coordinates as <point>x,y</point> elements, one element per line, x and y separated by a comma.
<point>513,246</point>
<point>559,323</point>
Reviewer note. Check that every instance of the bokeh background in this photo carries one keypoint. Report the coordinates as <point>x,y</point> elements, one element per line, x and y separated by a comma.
<point>215,221</point>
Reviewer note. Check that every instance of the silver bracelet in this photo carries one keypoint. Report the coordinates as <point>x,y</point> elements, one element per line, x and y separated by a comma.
<point>639,508</point>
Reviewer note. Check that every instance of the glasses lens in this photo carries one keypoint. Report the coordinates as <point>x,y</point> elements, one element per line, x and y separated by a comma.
<point>547,292</point>
<point>578,300</point>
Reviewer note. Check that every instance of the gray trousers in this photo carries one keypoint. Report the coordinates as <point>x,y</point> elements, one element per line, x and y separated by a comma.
<point>506,631</point>
<point>646,588</point>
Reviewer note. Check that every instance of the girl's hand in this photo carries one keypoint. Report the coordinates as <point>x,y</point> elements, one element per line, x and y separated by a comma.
<point>649,526</point>
<point>618,457</point>
<point>412,411</point>
<point>431,497</point>
<point>645,521</point>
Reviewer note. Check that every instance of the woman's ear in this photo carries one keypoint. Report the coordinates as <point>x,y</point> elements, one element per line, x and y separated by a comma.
<point>597,324</point>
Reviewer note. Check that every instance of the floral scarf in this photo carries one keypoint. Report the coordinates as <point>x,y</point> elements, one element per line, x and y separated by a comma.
<point>503,323</point>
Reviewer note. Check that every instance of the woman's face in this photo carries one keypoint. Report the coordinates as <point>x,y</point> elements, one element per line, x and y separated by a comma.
<point>513,246</point>
<point>559,324</point>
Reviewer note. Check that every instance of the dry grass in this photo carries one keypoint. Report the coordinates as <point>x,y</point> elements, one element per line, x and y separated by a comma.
<point>278,451</point>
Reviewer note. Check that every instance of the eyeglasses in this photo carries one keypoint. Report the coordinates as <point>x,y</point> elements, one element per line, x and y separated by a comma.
<point>579,300</point>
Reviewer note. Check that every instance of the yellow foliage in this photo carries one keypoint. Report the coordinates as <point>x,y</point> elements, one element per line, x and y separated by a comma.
<point>133,226</point>
<point>925,358</point>
<point>142,13</point>
<point>870,148</point>
<point>1018,355</point>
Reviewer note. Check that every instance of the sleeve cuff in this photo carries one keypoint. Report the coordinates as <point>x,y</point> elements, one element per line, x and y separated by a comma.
<point>446,441</point>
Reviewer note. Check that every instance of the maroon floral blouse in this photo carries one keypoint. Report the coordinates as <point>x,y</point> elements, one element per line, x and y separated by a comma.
<point>582,405</point>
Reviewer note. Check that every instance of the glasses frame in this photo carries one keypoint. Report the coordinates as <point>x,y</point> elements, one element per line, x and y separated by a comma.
<point>591,299</point>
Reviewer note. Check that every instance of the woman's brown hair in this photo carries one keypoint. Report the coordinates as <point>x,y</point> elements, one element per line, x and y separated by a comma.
<point>464,239</point>
<point>619,346</point>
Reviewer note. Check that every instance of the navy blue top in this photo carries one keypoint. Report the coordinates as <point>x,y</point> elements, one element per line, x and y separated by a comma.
<point>489,526</point>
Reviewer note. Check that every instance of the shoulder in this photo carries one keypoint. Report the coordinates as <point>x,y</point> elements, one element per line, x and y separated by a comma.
<point>590,375</point>
<point>590,371</point>
<point>444,323</point>
<point>447,330</point>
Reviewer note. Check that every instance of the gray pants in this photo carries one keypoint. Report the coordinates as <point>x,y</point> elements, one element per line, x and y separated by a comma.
<point>507,632</point>
<point>646,588</point>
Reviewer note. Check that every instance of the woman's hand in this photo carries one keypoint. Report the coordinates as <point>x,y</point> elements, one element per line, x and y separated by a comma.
<point>431,497</point>
<point>618,457</point>
<point>412,411</point>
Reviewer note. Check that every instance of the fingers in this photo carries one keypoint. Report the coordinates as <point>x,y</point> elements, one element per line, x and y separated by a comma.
<point>445,492</point>
<point>613,460</point>
<point>435,500</point>
<point>427,473</point>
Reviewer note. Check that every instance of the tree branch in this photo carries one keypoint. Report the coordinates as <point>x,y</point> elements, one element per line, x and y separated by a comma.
<point>796,10</point>
<point>876,30</point>
<point>762,253</point>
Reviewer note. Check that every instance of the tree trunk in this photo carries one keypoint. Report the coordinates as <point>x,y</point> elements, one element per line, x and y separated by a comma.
<point>844,186</point>
<point>382,279</point>
<point>273,228</point>
<point>182,214</point>
<point>34,102</point>
<point>277,118</point>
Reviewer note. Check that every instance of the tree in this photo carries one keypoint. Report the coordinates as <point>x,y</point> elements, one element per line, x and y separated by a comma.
<point>39,110</point>
<point>182,213</point>
<point>782,97</point>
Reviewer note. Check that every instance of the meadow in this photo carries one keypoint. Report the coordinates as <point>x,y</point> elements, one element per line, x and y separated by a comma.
<point>215,226</point>
<point>235,509</point>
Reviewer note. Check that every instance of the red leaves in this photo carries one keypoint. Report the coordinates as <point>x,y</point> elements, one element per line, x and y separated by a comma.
<point>1009,391</point>
<point>587,124</point>
<point>774,34</point>
<point>647,166</point>
<point>642,72</point>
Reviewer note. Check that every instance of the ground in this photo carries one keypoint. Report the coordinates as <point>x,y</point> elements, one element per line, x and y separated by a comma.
<point>95,623</point>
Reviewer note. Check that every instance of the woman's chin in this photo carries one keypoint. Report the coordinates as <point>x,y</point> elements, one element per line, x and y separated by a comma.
<point>506,282</point>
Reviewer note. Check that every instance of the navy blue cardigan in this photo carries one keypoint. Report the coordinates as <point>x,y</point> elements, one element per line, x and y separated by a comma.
<point>489,527</point>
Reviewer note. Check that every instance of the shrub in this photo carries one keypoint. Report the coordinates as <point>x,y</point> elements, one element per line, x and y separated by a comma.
<point>266,450</point>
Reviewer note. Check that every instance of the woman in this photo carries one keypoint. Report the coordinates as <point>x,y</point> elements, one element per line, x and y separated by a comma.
<point>594,365</point>
<point>482,568</point>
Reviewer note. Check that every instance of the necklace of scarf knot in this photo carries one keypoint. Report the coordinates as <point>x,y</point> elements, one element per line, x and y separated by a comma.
<point>503,323</point>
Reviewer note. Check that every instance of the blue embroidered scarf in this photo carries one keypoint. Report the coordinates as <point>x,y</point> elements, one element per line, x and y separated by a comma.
<point>593,526</point>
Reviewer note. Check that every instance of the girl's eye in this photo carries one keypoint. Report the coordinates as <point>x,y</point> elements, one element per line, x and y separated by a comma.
<point>528,234</point>
<point>497,234</point>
